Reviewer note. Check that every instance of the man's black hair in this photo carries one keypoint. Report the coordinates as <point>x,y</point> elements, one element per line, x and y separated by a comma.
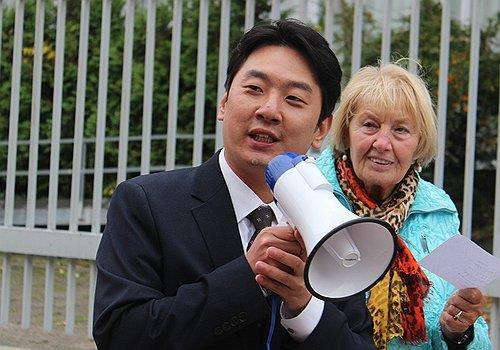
<point>295,35</point>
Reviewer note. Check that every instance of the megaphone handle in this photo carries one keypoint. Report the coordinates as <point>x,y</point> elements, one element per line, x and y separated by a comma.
<point>286,220</point>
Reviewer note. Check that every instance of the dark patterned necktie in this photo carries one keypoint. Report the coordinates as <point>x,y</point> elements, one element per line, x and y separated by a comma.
<point>261,217</point>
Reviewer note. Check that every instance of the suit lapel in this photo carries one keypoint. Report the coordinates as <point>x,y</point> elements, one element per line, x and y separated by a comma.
<point>215,216</point>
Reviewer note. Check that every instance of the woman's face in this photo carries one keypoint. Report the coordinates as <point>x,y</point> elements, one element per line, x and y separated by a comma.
<point>382,145</point>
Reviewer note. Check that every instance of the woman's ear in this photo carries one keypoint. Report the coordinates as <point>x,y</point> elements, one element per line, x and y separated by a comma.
<point>346,140</point>
<point>222,107</point>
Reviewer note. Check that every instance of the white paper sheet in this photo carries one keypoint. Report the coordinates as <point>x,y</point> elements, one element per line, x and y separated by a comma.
<point>462,263</point>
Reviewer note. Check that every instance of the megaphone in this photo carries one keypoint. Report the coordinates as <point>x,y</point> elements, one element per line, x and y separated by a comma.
<point>346,254</point>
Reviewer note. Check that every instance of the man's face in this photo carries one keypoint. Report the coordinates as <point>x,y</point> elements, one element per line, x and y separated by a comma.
<point>272,106</point>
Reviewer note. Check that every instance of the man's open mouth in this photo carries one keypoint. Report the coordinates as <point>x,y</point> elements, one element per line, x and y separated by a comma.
<point>262,138</point>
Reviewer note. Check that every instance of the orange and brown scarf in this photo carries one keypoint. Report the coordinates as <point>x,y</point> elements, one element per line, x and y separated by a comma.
<point>396,302</point>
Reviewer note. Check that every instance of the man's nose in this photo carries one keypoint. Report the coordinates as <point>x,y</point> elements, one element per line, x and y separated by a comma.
<point>270,110</point>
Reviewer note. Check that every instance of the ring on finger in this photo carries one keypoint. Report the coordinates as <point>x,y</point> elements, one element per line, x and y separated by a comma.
<point>457,316</point>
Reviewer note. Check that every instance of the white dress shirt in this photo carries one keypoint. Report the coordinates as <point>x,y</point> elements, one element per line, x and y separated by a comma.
<point>244,202</point>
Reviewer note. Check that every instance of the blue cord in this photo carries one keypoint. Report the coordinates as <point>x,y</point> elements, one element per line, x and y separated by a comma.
<point>274,310</point>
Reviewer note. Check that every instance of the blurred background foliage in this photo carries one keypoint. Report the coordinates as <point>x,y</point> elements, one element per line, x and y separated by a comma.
<point>430,22</point>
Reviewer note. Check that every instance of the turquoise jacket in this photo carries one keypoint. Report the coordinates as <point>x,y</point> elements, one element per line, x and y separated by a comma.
<point>432,220</point>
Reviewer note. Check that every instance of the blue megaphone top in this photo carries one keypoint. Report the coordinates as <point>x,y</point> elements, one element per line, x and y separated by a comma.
<point>280,164</point>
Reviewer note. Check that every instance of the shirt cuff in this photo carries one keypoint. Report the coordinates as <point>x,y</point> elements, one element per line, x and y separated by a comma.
<point>302,325</point>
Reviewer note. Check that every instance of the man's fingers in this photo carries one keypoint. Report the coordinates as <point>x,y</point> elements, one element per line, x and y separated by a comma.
<point>285,233</point>
<point>298,237</point>
<point>273,273</point>
<point>294,263</point>
<point>279,239</point>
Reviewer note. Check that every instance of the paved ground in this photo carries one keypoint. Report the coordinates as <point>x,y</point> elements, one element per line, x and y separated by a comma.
<point>12,337</point>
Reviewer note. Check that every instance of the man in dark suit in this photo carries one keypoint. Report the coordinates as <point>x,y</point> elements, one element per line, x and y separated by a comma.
<point>174,270</point>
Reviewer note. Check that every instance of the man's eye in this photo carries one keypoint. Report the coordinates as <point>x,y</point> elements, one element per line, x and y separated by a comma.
<point>294,99</point>
<point>254,88</point>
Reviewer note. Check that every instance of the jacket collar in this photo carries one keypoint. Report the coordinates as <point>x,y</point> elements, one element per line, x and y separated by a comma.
<point>215,215</point>
<point>430,198</point>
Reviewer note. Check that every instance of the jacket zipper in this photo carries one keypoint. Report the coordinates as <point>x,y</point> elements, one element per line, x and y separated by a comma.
<point>423,242</point>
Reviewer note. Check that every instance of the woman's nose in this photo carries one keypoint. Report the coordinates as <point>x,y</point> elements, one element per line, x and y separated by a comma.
<point>382,141</point>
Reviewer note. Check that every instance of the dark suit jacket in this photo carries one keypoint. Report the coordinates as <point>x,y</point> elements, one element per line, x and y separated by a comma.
<point>172,274</point>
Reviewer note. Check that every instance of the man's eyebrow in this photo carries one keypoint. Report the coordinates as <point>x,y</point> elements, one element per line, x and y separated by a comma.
<point>299,85</point>
<point>254,73</point>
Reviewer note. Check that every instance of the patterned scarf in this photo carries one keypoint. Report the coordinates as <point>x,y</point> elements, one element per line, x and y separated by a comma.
<point>396,302</point>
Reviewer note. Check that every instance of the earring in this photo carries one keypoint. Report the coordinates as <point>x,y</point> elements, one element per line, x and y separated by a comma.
<point>344,157</point>
<point>418,167</point>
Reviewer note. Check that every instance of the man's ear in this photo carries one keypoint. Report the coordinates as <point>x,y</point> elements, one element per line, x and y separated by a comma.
<point>321,131</point>
<point>222,107</point>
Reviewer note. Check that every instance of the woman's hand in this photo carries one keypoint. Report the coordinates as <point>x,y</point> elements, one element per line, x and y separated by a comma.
<point>461,311</point>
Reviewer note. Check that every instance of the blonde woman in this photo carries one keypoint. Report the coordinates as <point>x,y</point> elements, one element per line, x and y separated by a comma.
<point>383,133</point>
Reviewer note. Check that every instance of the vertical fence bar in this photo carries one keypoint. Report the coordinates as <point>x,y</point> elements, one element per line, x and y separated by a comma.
<point>444,55</point>
<point>56,115</point>
<point>35,114</point>
<point>11,155</point>
<point>249,14</point>
<point>276,10</point>
<point>48,304</point>
<point>27,284</point>
<point>173,94</point>
<point>78,154</point>
<point>386,32</point>
<point>201,70</point>
<point>414,35</point>
<point>81,196</point>
<point>356,36</point>
<point>126,87</point>
<point>225,21</point>
<point>495,307</point>
<point>470,146</point>
<point>101,116</point>
<point>329,21</point>
<point>76,179</point>
<point>99,156</point>
<point>14,114</point>
<point>33,157</point>
<point>70,298</point>
<point>148,88</point>
<point>92,283</point>
<point>5,300</point>
<point>1,26</point>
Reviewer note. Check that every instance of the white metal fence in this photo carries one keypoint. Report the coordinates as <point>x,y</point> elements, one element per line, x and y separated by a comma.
<point>22,233</point>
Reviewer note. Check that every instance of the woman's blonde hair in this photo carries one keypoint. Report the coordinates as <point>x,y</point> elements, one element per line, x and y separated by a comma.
<point>388,87</point>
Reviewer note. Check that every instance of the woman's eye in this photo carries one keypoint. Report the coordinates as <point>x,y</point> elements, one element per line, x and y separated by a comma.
<point>369,125</point>
<point>402,130</point>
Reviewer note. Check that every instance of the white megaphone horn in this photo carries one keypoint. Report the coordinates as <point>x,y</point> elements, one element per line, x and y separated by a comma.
<point>346,254</point>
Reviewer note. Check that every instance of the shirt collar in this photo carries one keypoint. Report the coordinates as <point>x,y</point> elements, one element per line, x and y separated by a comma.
<point>243,198</point>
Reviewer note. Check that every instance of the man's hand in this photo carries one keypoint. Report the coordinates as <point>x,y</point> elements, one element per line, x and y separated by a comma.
<point>280,266</point>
